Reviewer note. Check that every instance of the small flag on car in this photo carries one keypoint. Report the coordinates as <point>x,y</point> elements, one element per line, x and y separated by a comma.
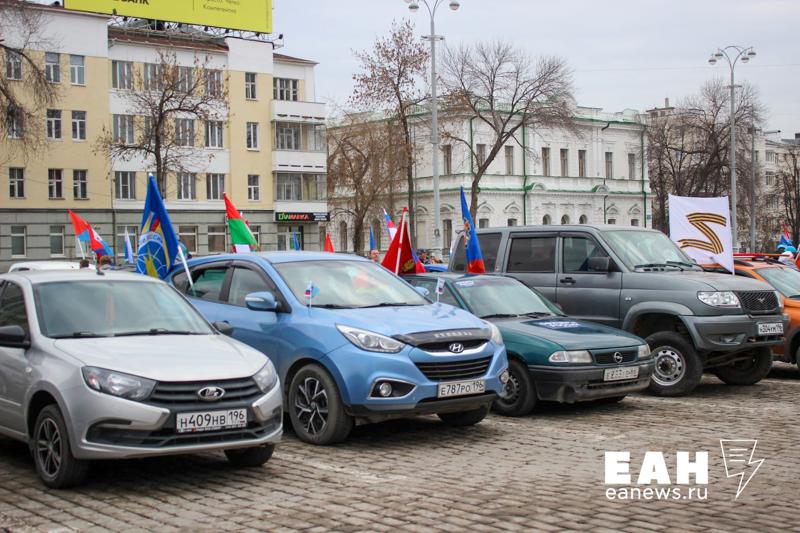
<point>439,288</point>
<point>311,291</point>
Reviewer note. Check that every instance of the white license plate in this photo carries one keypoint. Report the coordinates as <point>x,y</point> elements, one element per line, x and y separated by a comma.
<point>627,372</point>
<point>210,420</point>
<point>461,388</point>
<point>771,328</point>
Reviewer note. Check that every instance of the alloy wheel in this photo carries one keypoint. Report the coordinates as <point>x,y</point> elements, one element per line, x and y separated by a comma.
<point>311,406</point>
<point>49,447</point>
<point>670,367</point>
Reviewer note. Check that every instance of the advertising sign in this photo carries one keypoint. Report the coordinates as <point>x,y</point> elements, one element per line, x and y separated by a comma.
<point>283,216</point>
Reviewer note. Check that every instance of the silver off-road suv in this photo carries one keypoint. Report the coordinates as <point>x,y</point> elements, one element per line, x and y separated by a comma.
<point>108,365</point>
<point>637,279</point>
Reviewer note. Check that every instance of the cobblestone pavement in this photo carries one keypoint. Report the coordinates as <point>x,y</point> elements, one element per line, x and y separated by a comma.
<point>539,473</point>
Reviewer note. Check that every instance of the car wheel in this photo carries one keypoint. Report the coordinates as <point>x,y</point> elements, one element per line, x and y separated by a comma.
<point>747,371</point>
<point>678,368</point>
<point>465,418</point>
<point>249,457</point>
<point>316,409</point>
<point>520,392</point>
<point>52,455</point>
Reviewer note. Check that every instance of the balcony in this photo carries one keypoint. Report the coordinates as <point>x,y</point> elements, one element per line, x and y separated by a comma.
<point>299,161</point>
<point>290,111</point>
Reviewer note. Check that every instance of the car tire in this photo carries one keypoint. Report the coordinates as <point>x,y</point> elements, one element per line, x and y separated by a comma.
<point>521,391</point>
<point>678,368</point>
<point>465,418</point>
<point>316,408</point>
<point>52,453</point>
<point>749,371</point>
<point>250,457</point>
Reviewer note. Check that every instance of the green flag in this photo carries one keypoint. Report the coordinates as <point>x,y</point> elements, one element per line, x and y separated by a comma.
<point>240,233</point>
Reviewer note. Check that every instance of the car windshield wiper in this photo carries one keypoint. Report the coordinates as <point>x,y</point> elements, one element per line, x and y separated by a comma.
<point>332,306</point>
<point>501,315</point>
<point>537,314</point>
<point>157,331</point>
<point>388,304</point>
<point>80,335</point>
<point>657,265</point>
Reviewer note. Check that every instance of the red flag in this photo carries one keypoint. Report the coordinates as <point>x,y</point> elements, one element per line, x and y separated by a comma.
<point>329,244</point>
<point>400,257</point>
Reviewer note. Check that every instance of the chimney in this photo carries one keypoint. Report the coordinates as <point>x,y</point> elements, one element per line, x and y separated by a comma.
<point>666,102</point>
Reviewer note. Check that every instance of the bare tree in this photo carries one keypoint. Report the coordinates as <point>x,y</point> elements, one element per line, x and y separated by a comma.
<point>171,104</point>
<point>504,89</point>
<point>25,91</point>
<point>389,81</point>
<point>787,188</point>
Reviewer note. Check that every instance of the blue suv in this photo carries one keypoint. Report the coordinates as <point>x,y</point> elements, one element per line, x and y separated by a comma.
<point>350,340</point>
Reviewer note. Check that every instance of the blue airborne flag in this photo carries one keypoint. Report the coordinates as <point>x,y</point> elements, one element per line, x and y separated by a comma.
<point>158,244</point>
<point>471,247</point>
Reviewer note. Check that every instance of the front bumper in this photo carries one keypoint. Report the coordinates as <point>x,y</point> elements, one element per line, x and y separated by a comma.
<point>732,333</point>
<point>584,383</point>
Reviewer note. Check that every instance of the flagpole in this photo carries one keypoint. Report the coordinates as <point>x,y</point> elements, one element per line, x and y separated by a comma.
<point>400,248</point>
<point>185,267</point>
<point>80,247</point>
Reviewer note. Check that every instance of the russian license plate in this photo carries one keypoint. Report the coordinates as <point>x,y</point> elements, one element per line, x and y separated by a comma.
<point>770,328</point>
<point>210,420</point>
<point>461,388</point>
<point>626,372</point>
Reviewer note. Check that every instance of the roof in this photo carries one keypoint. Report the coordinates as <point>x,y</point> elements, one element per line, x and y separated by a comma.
<point>46,276</point>
<point>143,36</point>
<point>285,257</point>
<point>292,59</point>
<point>569,227</point>
<point>454,276</point>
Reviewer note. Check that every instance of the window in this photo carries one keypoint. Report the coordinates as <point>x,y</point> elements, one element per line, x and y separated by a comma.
<point>545,161</point>
<point>12,307</point>
<point>490,243</point>
<point>256,231</point>
<point>564,162</point>
<point>546,220</point>
<point>19,244</point>
<point>125,185</point>
<point>284,89</point>
<point>122,75</point>
<point>576,253</point>
<point>79,125</point>
<point>252,135</point>
<point>342,236</point>
<point>609,165</point>
<point>16,182</point>
<point>185,79</point>
<point>123,129</point>
<point>288,234</point>
<point>447,157</point>
<point>243,282</point>
<point>215,186</point>
<point>447,233</point>
<point>582,163</point>
<point>769,177</point>
<point>207,282</point>
<point>771,157</point>
<point>287,137</point>
<point>253,187</point>
<point>289,186</point>
<point>480,154</point>
<point>56,240</point>
<point>153,81</point>
<point>532,254</point>
<point>611,221</point>
<point>77,70</point>
<point>52,67</point>
<point>184,131</point>
<point>214,83</point>
<point>80,189</point>
<point>55,184</point>
<point>483,223</point>
<point>214,131</point>
<point>250,85</point>
<point>14,122</point>
<point>316,138</point>
<point>313,187</point>
<point>565,220</point>
<point>13,65</point>
<point>188,236</point>
<point>635,222</point>
<point>631,166</point>
<point>509,160</point>
<point>54,124</point>
<point>187,189</point>
<point>217,238</point>
<point>511,222</point>
<point>132,232</point>
<point>583,219</point>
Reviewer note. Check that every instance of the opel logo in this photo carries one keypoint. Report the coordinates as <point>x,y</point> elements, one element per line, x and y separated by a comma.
<point>617,357</point>
<point>210,394</point>
<point>456,347</point>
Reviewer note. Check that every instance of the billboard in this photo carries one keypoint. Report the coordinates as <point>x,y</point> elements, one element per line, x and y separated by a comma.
<point>248,15</point>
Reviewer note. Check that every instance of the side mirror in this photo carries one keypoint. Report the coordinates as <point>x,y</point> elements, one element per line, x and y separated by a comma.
<point>224,328</point>
<point>422,291</point>
<point>14,337</point>
<point>261,301</point>
<point>600,264</point>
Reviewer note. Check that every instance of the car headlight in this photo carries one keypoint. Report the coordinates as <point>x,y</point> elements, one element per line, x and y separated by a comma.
<point>571,356</point>
<point>266,378</point>
<point>369,340</point>
<point>497,337</point>
<point>644,352</point>
<point>719,298</point>
<point>118,383</point>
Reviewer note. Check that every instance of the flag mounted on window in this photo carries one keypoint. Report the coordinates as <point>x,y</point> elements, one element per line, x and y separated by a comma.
<point>85,233</point>
<point>471,246</point>
<point>400,258</point>
<point>240,232</point>
<point>158,245</point>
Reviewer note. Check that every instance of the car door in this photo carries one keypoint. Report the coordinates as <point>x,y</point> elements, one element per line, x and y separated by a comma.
<point>581,292</point>
<point>531,258</point>
<point>13,361</point>
<point>210,282</point>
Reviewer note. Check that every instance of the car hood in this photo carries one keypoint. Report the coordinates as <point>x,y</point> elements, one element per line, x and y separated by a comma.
<point>403,320</point>
<point>692,280</point>
<point>568,333</point>
<point>168,357</point>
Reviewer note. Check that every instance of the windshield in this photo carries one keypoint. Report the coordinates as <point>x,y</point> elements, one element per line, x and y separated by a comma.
<point>347,284</point>
<point>498,297</point>
<point>785,280</point>
<point>639,248</point>
<point>72,309</point>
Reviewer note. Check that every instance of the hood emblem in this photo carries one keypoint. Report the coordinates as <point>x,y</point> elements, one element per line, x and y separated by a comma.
<point>617,357</point>
<point>211,394</point>
<point>456,347</point>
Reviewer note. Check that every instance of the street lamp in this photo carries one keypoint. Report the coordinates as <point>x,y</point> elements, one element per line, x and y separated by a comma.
<point>432,6</point>
<point>733,54</point>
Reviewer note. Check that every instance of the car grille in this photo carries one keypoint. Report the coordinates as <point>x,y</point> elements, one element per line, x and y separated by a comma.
<point>185,392</point>
<point>445,345</point>
<point>758,301</point>
<point>455,370</point>
<point>607,357</point>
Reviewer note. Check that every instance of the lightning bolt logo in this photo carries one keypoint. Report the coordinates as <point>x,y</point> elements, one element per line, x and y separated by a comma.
<point>738,457</point>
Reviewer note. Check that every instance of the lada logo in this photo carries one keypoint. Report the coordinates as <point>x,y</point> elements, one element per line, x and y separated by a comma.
<point>617,357</point>
<point>456,347</point>
<point>211,394</point>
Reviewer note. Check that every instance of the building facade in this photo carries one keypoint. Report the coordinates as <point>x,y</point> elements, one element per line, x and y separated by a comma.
<point>264,148</point>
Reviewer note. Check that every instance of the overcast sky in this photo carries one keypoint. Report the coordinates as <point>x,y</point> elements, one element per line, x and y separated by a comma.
<point>624,53</point>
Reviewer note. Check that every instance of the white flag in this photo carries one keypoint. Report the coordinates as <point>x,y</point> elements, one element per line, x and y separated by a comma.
<point>439,288</point>
<point>702,229</point>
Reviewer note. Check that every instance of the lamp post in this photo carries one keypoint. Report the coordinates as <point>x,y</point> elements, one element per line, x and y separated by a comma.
<point>432,6</point>
<point>732,55</point>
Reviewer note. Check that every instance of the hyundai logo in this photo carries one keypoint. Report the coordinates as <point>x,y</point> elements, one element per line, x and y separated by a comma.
<point>456,347</point>
<point>617,357</point>
<point>210,394</point>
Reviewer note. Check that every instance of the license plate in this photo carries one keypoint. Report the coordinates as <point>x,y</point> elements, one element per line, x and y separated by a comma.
<point>771,328</point>
<point>210,420</point>
<point>461,388</point>
<point>627,372</point>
